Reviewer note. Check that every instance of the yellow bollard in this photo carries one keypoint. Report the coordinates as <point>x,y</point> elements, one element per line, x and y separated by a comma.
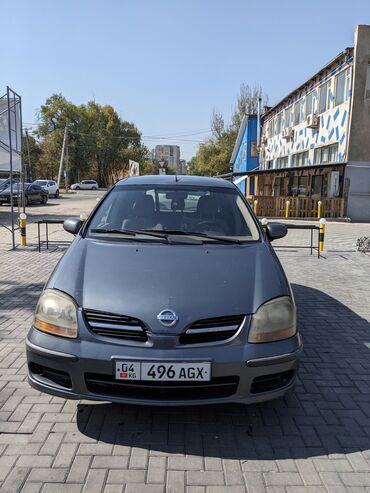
<point>255,206</point>
<point>319,209</point>
<point>322,223</point>
<point>287,204</point>
<point>22,228</point>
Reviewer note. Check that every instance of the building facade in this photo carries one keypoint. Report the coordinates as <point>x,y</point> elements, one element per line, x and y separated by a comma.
<point>245,154</point>
<point>170,154</point>
<point>315,142</point>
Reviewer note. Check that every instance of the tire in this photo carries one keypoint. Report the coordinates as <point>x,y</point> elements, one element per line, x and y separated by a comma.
<point>44,200</point>
<point>77,188</point>
<point>56,194</point>
<point>94,188</point>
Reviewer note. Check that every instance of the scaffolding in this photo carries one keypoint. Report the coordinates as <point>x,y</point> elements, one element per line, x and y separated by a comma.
<point>11,160</point>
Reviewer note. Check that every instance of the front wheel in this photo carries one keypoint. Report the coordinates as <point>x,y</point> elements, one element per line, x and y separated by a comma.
<point>77,188</point>
<point>57,194</point>
<point>44,200</point>
<point>94,188</point>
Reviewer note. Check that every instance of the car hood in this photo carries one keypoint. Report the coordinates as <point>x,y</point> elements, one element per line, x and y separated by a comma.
<point>196,281</point>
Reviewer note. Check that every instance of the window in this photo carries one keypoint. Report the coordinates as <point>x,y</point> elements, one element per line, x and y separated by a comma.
<point>308,105</point>
<point>297,114</point>
<point>333,153</point>
<point>323,98</point>
<point>270,164</point>
<point>300,159</point>
<point>326,154</point>
<point>278,124</point>
<point>299,185</point>
<point>287,118</point>
<point>316,187</point>
<point>203,210</point>
<point>271,128</point>
<point>282,162</point>
<point>341,87</point>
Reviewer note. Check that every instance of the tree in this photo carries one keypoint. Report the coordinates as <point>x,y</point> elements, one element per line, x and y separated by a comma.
<point>213,156</point>
<point>100,143</point>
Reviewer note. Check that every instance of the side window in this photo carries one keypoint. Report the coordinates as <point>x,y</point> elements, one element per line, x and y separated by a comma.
<point>323,98</point>
<point>308,105</point>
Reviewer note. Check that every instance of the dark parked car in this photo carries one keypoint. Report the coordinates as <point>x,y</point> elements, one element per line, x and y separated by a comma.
<point>33,194</point>
<point>170,294</point>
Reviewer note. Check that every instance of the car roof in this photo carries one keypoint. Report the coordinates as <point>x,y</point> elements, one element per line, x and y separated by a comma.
<point>179,180</point>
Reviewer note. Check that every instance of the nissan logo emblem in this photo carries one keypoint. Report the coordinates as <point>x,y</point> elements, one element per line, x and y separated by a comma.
<point>167,317</point>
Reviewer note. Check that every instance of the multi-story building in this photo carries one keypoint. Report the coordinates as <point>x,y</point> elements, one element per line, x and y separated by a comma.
<point>170,154</point>
<point>315,142</point>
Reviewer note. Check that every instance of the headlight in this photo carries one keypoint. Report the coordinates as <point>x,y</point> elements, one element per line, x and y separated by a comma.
<point>56,313</point>
<point>273,321</point>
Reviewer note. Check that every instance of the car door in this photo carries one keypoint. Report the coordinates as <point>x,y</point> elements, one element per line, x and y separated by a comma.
<point>34,193</point>
<point>52,187</point>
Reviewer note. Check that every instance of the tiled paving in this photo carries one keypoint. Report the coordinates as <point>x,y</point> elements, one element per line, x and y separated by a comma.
<point>315,440</point>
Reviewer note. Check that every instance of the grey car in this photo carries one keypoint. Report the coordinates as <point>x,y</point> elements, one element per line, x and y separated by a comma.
<point>170,294</point>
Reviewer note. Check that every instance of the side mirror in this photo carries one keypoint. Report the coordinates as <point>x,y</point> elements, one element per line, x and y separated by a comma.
<point>275,231</point>
<point>72,225</point>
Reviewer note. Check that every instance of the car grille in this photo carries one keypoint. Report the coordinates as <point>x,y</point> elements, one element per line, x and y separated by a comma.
<point>116,326</point>
<point>106,385</point>
<point>212,330</point>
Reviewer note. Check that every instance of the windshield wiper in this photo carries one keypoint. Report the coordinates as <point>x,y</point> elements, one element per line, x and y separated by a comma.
<point>199,235</point>
<point>128,232</point>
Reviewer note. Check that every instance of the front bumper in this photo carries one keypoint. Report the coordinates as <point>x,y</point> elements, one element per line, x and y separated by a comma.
<point>76,369</point>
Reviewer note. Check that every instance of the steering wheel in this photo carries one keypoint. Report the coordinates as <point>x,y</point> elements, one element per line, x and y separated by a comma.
<point>210,226</point>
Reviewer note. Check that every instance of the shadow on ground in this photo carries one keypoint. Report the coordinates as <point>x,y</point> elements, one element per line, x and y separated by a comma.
<point>327,413</point>
<point>17,296</point>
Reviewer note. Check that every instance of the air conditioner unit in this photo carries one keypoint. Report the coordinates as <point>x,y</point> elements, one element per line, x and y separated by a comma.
<point>288,133</point>
<point>312,121</point>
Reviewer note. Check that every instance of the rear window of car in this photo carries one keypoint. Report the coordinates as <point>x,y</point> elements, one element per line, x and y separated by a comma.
<point>217,211</point>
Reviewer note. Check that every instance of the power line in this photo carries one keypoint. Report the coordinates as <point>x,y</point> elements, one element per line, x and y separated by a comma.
<point>172,136</point>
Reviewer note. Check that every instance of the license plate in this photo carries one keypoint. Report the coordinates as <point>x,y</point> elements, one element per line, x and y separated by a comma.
<point>164,372</point>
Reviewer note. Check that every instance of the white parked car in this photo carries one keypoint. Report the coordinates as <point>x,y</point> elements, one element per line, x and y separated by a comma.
<point>85,185</point>
<point>49,186</point>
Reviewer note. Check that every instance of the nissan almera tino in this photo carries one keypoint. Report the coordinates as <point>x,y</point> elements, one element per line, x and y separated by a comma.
<point>170,294</point>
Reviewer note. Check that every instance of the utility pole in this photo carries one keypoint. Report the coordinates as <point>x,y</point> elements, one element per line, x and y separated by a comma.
<point>259,130</point>
<point>62,155</point>
<point>66,179</point>
<point>29,174</point>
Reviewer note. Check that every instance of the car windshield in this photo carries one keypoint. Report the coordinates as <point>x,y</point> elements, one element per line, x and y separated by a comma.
<point>41,182</point>
<point>179,210</point>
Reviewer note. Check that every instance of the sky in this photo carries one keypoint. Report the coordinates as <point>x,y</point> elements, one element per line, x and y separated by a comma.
<point>166,64</point>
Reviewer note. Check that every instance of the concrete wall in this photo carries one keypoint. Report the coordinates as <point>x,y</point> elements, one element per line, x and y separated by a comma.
<point>357,191</point>
<point>359,139</point>
<point>357,175</point>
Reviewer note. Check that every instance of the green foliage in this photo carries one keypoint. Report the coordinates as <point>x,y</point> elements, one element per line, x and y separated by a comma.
<point>213,156</point>
<point>99,145</point>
